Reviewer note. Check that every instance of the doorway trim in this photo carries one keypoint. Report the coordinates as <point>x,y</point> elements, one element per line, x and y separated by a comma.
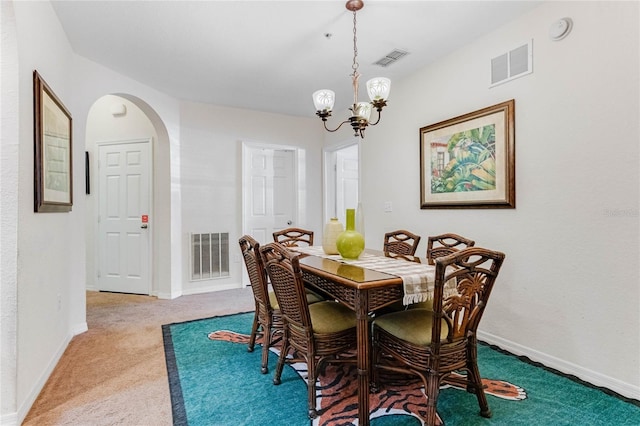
<point>329,176</point>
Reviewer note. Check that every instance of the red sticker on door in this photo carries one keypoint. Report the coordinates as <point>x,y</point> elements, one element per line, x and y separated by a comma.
<point>145,218</point>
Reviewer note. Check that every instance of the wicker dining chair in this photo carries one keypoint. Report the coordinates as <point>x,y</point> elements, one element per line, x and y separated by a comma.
<point>267,317</point>
<point>293,237</point>
<point>445,244</point>
<point>318,333</point>
<point>440,246</point>
<point>433,344</point>
<point>401,242</point>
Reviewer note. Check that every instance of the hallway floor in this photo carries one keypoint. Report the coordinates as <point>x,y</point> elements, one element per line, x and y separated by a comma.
<point>115,373</point>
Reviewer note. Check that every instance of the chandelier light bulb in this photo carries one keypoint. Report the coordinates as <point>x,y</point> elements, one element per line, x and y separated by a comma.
<point>324,99</point>
<point>362,110</point>
<point>378,88</point>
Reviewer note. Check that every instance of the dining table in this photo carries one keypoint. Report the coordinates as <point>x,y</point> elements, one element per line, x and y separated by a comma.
<point>365,285</point>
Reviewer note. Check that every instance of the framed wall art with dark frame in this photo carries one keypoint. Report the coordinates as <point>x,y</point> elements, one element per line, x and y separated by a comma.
<point>53,178</point>
<point>468,162</point>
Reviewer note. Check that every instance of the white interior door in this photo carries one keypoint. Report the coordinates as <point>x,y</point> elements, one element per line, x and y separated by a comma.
<point>269,192</point>
<point>341,181</point>
<point>124,217</point>
<point>346,180</point>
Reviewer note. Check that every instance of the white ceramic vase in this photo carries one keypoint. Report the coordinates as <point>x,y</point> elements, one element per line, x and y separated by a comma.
<point>332,229</point>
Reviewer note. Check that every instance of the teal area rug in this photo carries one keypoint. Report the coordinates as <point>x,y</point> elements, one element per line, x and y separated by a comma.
<point>214,381</point>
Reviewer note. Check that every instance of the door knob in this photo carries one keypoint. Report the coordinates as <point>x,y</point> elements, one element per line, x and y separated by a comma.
<point>289,222</point>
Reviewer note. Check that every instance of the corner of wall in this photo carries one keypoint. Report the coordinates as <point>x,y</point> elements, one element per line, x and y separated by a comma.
<point>37,387</point>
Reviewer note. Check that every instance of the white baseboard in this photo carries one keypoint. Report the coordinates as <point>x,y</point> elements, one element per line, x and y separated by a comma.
<point>167,296</point>
<point>79,328</point>
<point>625,389</point>
<point>42,380</point>
<point>211,288</point>
<point>9,419</point>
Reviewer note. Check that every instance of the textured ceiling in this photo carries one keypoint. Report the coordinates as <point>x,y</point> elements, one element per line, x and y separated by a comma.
<point>271,55</point>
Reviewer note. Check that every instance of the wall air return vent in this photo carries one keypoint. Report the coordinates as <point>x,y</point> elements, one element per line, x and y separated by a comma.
<point>513,64</point>
<point>391,57</point>
<point>209,256</point>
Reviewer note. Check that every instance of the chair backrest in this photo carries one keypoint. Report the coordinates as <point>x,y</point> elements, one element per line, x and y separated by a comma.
<point>257,275</point>
<point>401,242</point>
<point>293,237</point>
<point>445,244</point>
<point>285,275</point>
<point>472,271</point>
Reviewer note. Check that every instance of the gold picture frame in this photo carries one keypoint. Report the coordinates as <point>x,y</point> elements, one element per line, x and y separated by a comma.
<point>469,161</point>
<point>53,177</point>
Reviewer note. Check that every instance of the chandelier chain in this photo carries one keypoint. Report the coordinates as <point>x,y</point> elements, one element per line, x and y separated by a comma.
<point>355,46</point>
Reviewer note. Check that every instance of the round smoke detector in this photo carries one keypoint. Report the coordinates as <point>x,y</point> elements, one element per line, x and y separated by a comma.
<point>560,29</point>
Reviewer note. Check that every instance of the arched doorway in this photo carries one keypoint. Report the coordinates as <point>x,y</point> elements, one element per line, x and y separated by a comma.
<point>119,120</point>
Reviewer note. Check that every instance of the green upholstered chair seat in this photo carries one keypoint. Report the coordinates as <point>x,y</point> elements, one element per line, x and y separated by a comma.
<point>412,325</point>
<point>331,317</point>
<point>428,305</point>
<point>311,298</point>
<point>399,306</point>
<point>273,300</point>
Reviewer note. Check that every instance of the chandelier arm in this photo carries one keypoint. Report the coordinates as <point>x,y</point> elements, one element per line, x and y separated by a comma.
<point>379,116</point>
<point>334,130</point>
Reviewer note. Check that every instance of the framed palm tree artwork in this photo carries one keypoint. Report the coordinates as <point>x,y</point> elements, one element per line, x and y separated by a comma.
<point>469,161</point>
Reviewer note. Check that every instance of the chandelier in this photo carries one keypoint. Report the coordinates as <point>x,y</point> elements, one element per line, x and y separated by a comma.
<point>377,88</point>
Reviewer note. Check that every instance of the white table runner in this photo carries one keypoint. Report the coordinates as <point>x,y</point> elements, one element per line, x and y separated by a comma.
<point>417,278</point>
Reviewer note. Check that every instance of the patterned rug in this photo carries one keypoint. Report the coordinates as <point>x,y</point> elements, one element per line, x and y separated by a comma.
<point>214,381</point>
<point>337,389</point>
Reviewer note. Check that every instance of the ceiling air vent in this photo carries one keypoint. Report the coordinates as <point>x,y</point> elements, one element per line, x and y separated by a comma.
<point>391,57</point>
<point>511,65</point>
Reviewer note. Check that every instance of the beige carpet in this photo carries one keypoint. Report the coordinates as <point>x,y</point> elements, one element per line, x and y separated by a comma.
<point>115,373</point>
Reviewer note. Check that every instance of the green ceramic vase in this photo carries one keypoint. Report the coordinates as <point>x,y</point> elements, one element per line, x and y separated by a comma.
<point>350,243</point>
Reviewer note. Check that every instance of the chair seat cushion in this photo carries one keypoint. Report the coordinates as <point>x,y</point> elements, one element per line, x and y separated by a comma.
<point>412,325</point>
<point>273,300</point>
<point>399,306</point>
<point>331,317</point>
<point>428,305</point>
<point>313,297</point>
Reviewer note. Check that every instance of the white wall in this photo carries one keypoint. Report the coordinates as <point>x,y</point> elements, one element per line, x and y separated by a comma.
<point>49,275</point>
<point>212,174</point>
<point>50,245</point>
<point>92,83</point>
<point>568,294</point>
<point>9,178</point>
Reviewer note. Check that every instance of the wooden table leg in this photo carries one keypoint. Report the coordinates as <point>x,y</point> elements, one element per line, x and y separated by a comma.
<point>362,310</point>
